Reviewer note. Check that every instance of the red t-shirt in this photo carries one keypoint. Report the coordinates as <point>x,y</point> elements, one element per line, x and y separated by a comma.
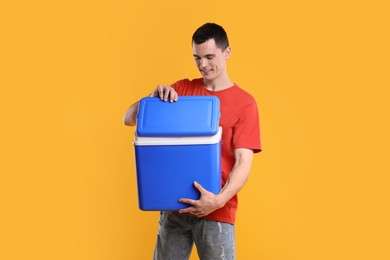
<point>240,129</point>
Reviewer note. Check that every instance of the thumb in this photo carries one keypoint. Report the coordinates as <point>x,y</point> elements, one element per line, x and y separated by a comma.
<point>199,187</point>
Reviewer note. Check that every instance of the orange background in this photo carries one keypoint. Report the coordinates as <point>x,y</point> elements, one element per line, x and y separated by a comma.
<point>318,69</point>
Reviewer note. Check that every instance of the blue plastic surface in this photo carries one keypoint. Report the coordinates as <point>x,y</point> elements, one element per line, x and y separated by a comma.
<point>166,173</point>
<point>189,116</point>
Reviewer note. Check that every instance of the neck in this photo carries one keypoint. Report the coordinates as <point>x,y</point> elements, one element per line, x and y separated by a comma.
<point>218,84</point>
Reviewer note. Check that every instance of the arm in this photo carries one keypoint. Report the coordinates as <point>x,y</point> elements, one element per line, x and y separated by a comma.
<point>161,91</point>
<point>129,118</point>
<point>210,202</point>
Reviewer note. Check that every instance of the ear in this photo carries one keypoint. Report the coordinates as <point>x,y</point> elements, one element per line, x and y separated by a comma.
<point>227,52</point>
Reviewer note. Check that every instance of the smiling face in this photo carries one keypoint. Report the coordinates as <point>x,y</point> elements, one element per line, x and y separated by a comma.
<point>211,60</point>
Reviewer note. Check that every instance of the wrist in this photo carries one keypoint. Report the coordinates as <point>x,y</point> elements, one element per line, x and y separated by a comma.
<point>221,201</point>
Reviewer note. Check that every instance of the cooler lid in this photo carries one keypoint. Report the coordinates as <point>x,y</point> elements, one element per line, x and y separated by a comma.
<point>189,116</point>
<point>191,140</point>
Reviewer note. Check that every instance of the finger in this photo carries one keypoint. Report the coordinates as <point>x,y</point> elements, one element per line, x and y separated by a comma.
<point>200,214</point>
<point>160,91</point>
<point>190,210</point>
<point>199,187</point>
<point>154,93</point>
<point>166,93</point>
<point>157,92</point>
<point>177,96</point>
<point>188,201</point>
<point>173,95</point>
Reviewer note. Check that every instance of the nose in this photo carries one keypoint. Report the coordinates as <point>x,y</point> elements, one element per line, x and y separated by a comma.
<point>203,63</point>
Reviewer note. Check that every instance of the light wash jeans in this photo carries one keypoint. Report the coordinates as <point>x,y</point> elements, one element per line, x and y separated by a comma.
<point>178,232</point>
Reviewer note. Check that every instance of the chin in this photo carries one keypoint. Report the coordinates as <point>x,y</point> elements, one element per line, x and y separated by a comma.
<point>208,77</point>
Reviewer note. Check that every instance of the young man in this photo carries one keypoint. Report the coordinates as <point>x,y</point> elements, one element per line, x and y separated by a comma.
<point>209,221</point>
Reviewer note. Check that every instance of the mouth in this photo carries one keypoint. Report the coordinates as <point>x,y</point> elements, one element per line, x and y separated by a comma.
<point>205,72</point>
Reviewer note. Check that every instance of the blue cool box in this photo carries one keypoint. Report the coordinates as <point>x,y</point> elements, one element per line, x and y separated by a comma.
<point>175,153</point>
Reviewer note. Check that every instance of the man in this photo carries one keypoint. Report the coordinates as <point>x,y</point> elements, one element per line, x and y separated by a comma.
<point>209,221</point>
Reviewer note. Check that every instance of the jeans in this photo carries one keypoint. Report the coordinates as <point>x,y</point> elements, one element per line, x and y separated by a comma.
<point>177,233</point>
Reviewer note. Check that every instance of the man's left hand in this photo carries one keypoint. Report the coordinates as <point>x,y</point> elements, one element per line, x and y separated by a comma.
<point>207,203</point>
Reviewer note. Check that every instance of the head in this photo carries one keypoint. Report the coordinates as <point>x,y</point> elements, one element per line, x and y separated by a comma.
<point>211,51</point>
<point>211,31</point>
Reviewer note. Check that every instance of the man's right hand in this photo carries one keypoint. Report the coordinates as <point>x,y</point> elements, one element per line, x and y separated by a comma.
<point>165,91</point>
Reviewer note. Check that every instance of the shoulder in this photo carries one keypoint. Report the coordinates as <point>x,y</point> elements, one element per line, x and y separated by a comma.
<point>242,95</point>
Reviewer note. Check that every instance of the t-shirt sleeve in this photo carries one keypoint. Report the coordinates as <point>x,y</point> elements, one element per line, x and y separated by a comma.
<point>246,132</point>
<point>180,86</point>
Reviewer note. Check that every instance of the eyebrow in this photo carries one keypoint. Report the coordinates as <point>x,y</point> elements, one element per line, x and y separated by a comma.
<point>207,55</point>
